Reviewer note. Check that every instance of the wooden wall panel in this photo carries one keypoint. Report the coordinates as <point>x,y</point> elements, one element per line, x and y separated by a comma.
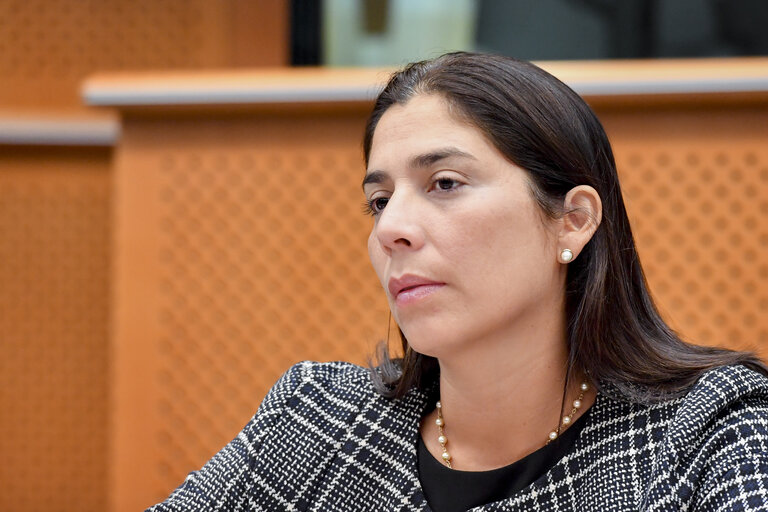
<point>696,187</point>
<point>240,249</point>
<point>54,249</point>
<point>47,48</point>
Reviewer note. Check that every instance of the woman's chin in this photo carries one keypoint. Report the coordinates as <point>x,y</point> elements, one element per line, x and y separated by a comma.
<point>435,344</point>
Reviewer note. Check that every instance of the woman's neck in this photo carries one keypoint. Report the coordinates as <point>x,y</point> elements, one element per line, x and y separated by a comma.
<point>500,405</point>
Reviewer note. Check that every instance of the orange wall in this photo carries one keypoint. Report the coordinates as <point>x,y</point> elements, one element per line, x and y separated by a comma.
<point>47,48</point>
<point>54,296</point>
<point>56,221</point>
<point>696,186</point>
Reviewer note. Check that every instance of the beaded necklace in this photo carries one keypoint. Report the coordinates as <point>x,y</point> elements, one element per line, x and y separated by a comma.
<point>567,420</point>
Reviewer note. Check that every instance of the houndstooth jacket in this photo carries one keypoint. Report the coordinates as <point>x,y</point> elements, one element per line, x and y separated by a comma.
<point>324,440</point>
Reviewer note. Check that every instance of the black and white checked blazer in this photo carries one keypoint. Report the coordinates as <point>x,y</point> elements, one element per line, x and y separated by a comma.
<point>323,439</point>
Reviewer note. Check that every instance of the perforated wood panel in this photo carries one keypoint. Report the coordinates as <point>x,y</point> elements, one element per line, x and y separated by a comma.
<point>242,248</point>
<point>260,265</point>
<point>696,186</point>
<point>54,216</point>
<point>47,48</point>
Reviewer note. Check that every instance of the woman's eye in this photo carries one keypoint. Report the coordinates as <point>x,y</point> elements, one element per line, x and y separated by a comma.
<point>446,183</point>
<point>375,206</point>
<point>379,204</point>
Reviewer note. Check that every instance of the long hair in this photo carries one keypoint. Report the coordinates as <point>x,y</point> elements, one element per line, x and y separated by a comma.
<point>614,331</point>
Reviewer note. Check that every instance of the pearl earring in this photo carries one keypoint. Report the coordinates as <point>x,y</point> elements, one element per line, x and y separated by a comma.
<point>566,255</point>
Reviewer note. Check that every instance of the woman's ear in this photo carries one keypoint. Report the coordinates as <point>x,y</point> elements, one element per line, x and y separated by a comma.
<point>583,214</point>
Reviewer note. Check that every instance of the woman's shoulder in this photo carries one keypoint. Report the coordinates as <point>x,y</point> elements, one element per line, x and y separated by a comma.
<point>318,395</point>
<point>693,449</point>
<point>726,400</point>
<point>726,408</point>
<point>723,391</point>
<point>336,387</point>
<point>717,442</point>
<point>334,372</point>
<point>336,381</point>
<point>728,382</point>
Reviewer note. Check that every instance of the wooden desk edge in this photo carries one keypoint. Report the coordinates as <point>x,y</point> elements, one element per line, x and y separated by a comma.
<point>52,127</point>
<point>601,80</point>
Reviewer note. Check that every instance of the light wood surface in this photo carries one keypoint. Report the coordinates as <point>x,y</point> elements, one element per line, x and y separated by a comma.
<point>63,127</point>
<point>610,79</point>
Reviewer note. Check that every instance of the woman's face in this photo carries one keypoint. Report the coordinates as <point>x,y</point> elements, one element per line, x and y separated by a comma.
<point>460,246</point>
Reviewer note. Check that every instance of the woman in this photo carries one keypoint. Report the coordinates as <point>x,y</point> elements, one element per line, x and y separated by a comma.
<point>537,373</point>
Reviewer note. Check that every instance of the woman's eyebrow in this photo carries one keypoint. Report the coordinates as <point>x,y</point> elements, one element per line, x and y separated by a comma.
<point>435,156</point>
<point>420,161</point>
<point>375,177</point>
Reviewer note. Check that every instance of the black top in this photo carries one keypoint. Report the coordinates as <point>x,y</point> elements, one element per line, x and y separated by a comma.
<point>451,490</point>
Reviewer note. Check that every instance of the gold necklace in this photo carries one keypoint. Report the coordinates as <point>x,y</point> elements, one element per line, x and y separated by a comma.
<point>566,421</point>
<point>441,435</point>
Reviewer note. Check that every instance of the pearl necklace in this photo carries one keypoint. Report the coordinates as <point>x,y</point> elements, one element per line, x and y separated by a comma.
<point>441,437</point>
<point>567,420</point>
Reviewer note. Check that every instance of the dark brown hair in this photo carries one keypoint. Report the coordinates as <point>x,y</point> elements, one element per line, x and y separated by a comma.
<point>614,331</point>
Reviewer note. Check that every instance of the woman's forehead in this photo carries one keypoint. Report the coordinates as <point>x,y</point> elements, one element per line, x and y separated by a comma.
<point>423,124</point>
<point>423,132</point>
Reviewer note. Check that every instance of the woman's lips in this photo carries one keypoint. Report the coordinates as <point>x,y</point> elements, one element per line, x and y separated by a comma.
<point>416,293</point>
<point>411,288</point>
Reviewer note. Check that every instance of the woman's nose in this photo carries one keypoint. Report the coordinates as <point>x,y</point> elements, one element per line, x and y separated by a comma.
<point>399,226</point>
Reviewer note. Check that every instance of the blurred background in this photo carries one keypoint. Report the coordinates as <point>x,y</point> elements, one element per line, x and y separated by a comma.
<point>180,211</point>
